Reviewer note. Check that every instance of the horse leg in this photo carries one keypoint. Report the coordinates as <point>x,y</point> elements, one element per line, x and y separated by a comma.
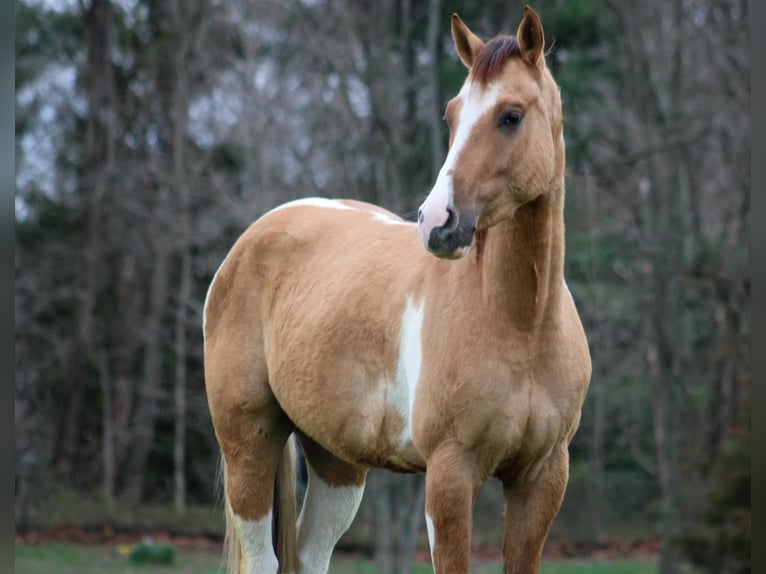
<point>332,499</point>
<point>252,431</point>
<point>451,486</point>
<point>530,510</point>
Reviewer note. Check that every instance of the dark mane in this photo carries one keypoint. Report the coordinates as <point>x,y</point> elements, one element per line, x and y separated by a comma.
<point>490,59</point>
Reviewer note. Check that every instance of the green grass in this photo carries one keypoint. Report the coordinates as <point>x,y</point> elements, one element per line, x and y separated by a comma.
<point>599,567</point>
<point>77,559</point>
<point>553,567</point>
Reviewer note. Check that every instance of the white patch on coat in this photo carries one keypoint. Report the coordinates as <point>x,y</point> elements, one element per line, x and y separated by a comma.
<point>388,220</point>
<point>475,102</point>
<point>255,541</point>
<point>312,202</point>
<point>431,537</point>
<point>402,394</point>
<point>326,514</point>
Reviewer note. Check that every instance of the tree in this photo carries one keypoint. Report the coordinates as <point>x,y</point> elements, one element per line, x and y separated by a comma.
<point>150,134</point>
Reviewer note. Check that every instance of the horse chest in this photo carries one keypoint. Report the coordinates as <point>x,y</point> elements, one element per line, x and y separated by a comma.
<point>505,410</point>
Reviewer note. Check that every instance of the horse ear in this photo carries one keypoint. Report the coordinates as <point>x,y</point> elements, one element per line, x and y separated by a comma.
<point>530,37</point>
<point>467,43</point>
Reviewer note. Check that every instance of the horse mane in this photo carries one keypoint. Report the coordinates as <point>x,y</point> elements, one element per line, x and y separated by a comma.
<point>490,59</point>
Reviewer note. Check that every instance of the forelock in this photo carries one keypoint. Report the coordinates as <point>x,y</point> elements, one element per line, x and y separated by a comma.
<point>490,59</point>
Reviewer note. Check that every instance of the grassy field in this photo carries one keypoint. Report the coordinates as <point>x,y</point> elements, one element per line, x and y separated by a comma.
<point>77,559</point>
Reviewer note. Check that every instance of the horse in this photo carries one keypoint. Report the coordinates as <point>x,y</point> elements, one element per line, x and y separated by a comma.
<point>450,346</point>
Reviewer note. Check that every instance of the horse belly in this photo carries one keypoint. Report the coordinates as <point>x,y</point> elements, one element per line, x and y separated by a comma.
<point>349,412</point>
<point>350,383</point>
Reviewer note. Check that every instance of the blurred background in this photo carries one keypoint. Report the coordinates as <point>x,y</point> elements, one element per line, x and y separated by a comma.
<point>150,133</point>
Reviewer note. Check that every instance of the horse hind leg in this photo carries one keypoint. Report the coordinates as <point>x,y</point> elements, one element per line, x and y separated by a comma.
<point>251,467</point>
<point>252,431</point>
<point>334,492</point>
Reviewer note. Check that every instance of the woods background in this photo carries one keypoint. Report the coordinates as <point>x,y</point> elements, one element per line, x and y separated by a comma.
<point>150,133</point>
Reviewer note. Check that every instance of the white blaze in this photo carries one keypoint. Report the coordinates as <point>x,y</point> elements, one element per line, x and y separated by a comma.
<point>475,102</point>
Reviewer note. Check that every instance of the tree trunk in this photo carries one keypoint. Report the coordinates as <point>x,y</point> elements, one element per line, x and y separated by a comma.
<point>435,112</point>
<point>179,394</point>
<point>179,118</point>
<point>151,387</point>
<point>666,563</point>
<point>100,152</point>
<point>398,516</point>
<point>124,351</point>
<point>596,489</point>
<point>660,362</point>
<point>384,523</point>
<point>412,515</point>
<point>107,437</point>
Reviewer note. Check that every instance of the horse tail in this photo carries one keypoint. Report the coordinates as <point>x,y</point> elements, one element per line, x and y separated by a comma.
<point>285,514</point>
<point>284,525</point>
<point>231,550</point>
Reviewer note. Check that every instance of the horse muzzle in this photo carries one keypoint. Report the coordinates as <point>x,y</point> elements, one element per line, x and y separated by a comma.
<point>450,240</point>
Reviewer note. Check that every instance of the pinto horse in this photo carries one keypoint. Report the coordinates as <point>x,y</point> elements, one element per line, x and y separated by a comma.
<point>450,347</point>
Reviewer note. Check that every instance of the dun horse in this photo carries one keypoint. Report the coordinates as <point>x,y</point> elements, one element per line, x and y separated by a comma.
<point>450,347</point>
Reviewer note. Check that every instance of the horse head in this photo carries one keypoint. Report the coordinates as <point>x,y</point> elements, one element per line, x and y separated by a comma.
<point>506,143</point>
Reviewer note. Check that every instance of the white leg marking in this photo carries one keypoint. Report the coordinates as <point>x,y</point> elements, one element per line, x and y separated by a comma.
<point>402,395</point>
<point>255,540</point>
<point>326,514</point>
<point>431,537</point>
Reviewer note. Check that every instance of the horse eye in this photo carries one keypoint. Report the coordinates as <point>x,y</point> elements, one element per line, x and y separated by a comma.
<point>510,118</point>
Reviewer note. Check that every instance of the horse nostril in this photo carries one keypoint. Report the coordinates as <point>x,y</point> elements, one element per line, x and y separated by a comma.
<point>420,216</point>
<point>451,219</point>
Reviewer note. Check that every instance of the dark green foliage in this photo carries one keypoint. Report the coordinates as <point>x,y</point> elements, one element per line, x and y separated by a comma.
<point>153,554</point>
<point>51,219</point>
<point>716,536</point>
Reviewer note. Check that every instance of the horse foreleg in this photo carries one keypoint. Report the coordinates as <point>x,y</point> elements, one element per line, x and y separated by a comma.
<point>450,490</point>
<point>530,510</point>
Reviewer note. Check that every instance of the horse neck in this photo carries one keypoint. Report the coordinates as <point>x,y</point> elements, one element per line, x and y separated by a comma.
<point>522,262</point>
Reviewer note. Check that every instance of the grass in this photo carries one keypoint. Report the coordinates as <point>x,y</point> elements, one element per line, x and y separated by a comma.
<point>599,567</point>
<point>78,559</point>
<point>64,508</point>
<point>553,567</point>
